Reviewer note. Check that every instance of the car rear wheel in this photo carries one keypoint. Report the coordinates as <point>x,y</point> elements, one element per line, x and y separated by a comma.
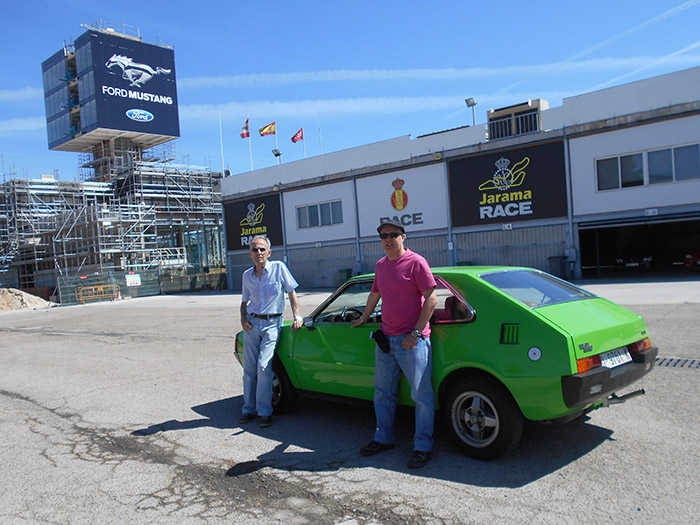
<point>284,395</point>
<point>482,418</point>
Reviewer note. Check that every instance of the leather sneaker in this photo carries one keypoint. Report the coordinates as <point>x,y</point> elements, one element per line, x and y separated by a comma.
<point>246,417</point>
<point>375,448</point>
<point>419,459</point>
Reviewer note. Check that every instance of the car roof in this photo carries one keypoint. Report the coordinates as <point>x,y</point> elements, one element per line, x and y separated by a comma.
<point>473,271</point>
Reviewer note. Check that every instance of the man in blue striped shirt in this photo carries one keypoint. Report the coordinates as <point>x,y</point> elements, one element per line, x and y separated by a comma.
<point>262,306</point>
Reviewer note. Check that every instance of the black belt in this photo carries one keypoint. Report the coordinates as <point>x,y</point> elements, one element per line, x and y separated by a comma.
<point>266,316</point>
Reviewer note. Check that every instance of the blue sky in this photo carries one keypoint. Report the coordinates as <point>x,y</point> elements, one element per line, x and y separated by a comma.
<point>360,71</point>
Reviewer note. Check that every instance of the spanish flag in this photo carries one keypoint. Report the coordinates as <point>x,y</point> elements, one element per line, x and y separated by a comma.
<point>270,129</point>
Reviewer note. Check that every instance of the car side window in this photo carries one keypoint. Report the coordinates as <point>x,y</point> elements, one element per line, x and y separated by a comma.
<point>350,305</point>
<point>451,307</point>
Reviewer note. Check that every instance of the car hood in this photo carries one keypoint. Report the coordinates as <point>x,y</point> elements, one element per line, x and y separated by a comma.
<point>596,325</point>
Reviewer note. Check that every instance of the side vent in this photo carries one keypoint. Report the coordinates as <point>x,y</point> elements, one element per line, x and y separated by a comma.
<point>510,334</point>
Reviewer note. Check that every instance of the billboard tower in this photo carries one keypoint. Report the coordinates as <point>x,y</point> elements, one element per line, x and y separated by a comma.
<point>110,95</point>
<point>112,98</point>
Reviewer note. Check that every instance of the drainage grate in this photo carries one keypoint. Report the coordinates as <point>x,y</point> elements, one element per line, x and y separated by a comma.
<point>677,362</point>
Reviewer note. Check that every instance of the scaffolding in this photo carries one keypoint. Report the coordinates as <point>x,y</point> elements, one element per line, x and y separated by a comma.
<point>133,215</point>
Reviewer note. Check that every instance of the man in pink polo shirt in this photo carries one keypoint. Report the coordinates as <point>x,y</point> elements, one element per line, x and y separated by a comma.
<point>406,286</point>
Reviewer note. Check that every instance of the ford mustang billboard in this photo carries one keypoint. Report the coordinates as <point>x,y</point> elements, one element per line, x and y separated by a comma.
<point>134,84</point>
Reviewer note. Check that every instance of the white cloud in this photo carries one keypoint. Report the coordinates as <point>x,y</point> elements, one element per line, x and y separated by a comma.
<point>11,127</point>
<point>345,107</point>
<point>25,93</point>
<point>373,75</point>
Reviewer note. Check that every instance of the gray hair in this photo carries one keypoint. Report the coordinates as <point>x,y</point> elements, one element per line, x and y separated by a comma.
<point>264,238</point>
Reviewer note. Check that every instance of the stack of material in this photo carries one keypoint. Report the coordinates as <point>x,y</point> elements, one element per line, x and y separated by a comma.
<point>13,299</point>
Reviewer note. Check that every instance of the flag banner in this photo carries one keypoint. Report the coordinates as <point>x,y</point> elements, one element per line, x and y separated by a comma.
<point>270,129</point>
<point>299,135</point>
<point>245,131</point>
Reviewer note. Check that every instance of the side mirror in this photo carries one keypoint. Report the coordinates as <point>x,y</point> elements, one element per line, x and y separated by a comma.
<point>309,323</point>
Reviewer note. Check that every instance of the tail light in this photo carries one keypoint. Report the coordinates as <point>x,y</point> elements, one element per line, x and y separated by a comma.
<point>639,346</point>
<point>587,363</point>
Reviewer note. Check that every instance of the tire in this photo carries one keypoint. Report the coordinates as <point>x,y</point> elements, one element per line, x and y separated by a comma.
<point>284,395</point>
<point>482,418</point>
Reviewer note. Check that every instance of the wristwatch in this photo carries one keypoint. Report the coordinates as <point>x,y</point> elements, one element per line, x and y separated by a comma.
<point>416,334</point>
<point>299,318</point>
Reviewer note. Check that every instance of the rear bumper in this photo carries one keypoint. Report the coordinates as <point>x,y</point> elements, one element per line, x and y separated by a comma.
<point>585,388</point>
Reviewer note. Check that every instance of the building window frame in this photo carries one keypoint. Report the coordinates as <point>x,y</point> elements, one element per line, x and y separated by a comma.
<point>666,165</point>
<point>319,214</point>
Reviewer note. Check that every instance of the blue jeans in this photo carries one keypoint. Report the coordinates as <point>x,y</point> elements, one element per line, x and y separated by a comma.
<point>416,365</point>
<point>258,350</point>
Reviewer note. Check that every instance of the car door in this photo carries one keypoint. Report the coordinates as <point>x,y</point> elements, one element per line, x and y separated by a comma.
<point>330,356</point>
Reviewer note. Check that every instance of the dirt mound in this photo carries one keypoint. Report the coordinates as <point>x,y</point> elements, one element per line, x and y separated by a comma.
<point>13,299</point>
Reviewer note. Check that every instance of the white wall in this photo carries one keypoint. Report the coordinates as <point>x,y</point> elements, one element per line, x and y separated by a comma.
<point>658,92</point>
<point>324,193</point>
<point>426,189</point>
<point>585,150</point>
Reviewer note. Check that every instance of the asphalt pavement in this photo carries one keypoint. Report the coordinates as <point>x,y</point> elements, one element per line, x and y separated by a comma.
<point>126,412</point>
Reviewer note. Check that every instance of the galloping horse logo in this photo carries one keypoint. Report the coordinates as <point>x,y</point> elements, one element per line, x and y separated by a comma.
<point>137,74</point>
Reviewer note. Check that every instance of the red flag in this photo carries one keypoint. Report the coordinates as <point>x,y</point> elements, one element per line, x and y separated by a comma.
<point>245,132</point>
<point>270,129</point>
<point>299,135</point>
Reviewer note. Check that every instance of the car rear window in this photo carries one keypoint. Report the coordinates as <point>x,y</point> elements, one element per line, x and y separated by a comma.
<point>535,288</point>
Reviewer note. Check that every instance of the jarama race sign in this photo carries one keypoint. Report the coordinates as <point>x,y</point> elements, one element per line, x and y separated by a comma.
<point>250,217</point>
<point>515,185</point>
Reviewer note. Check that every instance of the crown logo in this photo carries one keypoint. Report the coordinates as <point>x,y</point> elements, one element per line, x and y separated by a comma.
<point>399,198</point>
<point>502,163</point>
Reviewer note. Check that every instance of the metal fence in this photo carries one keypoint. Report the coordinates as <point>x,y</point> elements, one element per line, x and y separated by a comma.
<point>119,285</point>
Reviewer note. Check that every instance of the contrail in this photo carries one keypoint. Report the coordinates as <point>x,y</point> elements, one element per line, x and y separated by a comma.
<point>615,38</point>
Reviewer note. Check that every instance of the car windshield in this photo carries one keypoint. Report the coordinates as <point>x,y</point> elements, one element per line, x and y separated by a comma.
<point>535,288</point>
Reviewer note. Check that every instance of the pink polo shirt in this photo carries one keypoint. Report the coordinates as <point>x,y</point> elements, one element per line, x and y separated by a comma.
<point>401,283</point>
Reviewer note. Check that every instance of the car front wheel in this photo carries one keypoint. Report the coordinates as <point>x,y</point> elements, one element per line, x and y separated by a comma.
<point>284,395</point>
<point>482,418</point>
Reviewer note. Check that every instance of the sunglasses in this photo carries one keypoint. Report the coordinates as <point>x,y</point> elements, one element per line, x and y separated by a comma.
<point>262,250</point>
<point>393,235</point>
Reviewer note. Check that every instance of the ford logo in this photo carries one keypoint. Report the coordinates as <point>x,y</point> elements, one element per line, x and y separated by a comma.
<point>140,115</point>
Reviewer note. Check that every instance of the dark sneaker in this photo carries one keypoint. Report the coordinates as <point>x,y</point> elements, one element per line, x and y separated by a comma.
<point>374,448</point>
<point>246,418</point>
<point>419,459</point>
<point>265,421</point>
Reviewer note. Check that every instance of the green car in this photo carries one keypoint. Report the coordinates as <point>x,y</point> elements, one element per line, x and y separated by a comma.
<point>509,344</point>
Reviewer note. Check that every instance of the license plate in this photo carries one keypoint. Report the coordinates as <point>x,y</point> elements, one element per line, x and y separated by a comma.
<point>615,358</point>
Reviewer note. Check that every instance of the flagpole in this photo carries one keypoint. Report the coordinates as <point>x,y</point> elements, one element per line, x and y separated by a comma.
<point>221,142</point>
<point>250,147</point>
<point>304,140</point>
<point>320,142</point>
<point>277,147</point>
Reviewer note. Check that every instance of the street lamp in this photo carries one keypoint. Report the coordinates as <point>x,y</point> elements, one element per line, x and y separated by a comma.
<point>470,104</point>
<point>278,154</point>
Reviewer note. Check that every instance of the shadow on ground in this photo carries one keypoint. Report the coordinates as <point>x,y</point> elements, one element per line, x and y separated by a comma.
<point>322,436</point>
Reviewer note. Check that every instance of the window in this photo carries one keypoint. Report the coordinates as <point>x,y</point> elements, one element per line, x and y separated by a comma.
<point>662,166</point>
<point>534,288</point>
<point>350,305</point>
<point>632,170</point>
<point>321,214</point>
<point>686,162</point>
<point>450,307</point>
<point>608,174</point>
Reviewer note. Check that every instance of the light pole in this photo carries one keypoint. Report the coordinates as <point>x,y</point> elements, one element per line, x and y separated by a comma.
<point>470,104</point>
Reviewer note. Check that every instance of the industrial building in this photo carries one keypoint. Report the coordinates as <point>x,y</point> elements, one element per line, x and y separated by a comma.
<point>605,184</point>
<point>112,98</point>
